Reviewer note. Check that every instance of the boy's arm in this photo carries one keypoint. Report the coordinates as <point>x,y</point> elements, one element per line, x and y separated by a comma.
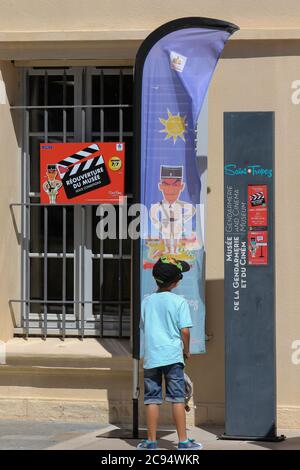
<point>185,335</point>
<point>142,334</point>
<point>185,323</point>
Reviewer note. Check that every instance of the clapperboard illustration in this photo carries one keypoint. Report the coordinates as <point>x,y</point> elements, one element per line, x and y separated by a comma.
<point>82,172</point>
<point>257,199</point>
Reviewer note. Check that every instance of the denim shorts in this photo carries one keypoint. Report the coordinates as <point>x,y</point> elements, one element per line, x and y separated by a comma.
<point>174,379</point>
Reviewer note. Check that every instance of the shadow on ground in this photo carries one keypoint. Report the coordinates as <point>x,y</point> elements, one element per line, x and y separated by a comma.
<point>126,436</point>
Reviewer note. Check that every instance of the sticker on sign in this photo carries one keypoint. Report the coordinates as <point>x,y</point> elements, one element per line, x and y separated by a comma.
<point>177,61</point>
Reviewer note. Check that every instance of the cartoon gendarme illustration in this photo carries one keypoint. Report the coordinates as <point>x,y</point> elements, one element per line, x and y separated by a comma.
<point>52,185</point>
<point>170,215</point>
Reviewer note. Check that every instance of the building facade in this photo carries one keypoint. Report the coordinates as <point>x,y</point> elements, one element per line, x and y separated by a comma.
<point>66,73</point>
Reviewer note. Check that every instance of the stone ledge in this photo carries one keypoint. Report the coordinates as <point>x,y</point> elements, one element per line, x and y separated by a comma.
<point>71,353</point>
<point>113,367</point>
<point>60,410</point>
<point>120,412</point>
<point>288,417</point>
<point>98,411</point>
<point>133,35</point>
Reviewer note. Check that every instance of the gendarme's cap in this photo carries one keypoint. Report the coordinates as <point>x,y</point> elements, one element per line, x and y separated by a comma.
<point>170,172</point>
<point>51,167</point>
<point>168,269</point>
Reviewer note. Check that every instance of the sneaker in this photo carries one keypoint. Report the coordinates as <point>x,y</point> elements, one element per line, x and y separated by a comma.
<point>147,445</point>
<point>190,444</point>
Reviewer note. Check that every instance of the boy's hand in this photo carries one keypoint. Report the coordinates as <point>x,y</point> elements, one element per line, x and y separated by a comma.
<point>186,354</point>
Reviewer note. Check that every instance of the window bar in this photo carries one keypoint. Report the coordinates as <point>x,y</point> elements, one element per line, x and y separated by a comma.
<point>77,209</point>
<point>101,261</point>
<point>45,216</point>
<point>121,109</point>
<point>70,133</point>
<point>120,278</point>
<point>27,311</point>
<point>46,109</point>
<point>70,302</point>
<point>64,272</point>
<point>64,110</point>
<point>101,109</point>
<point>70,106</point>
<point>82,271</point>
<point>64,216</point>
<point>45,270</point>
<point>23,212</point>
<point>51,255</point>
<point>83,125</point>
<point>120,212</point>
<point>27,231</point>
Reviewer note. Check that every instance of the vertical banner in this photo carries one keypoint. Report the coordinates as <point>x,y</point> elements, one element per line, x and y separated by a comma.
<point>173,70</point>
<point>250,358</point>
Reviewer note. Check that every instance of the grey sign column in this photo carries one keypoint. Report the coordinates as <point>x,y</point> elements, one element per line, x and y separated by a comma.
<point>249,276</point>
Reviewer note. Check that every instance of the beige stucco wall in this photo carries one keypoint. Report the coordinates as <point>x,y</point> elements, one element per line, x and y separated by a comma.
<point>91,30</point>
<point>9,193</point>
<point>253,75</point>
<point>95,15</point>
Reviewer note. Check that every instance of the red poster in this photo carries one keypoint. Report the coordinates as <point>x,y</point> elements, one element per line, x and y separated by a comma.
<point>81,172</point>
<point>257,206</point>
<point>258,247</point>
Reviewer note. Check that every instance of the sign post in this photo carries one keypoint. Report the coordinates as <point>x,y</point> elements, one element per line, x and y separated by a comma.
<point>250,359</point>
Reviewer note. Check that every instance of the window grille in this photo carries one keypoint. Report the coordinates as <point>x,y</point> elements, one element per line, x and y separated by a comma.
<point>73,284</point>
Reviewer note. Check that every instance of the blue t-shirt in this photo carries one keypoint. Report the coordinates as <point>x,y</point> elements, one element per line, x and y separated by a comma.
<point>163,314</point>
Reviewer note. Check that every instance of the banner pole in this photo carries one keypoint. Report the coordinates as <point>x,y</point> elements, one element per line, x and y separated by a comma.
<point>135,262</point>
<point>165,168</point>
<point>135,298</point>
<point>135,400</point>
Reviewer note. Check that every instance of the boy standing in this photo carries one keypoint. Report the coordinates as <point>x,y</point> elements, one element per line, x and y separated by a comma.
<point>165,323</point>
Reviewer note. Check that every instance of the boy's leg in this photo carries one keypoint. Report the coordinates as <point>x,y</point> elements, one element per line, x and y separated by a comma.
<point>180,420</point>
<point>152,421</point>
<point>152,399</point>
<point>175,391</point>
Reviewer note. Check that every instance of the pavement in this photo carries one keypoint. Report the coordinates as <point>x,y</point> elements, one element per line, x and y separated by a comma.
<point>36,435</point>
<point>208,436</point>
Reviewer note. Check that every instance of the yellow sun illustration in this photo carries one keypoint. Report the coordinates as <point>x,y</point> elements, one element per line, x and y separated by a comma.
<point>174,126</point>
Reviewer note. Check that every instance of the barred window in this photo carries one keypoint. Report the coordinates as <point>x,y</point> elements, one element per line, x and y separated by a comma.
<point>73,284</point>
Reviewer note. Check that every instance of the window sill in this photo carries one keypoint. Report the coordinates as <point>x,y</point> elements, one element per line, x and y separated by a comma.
<point>89,353</point>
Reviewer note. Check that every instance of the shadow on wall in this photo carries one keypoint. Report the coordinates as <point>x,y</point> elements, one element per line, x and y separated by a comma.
<point>207,370</point>
<point>11,94</point>
<point>10,192</point>
<point>261,48</point>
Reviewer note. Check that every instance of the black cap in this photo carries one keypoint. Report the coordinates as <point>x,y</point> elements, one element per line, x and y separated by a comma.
<point>171,172</point>
<point>169,269</point>
<point>51,167</point>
